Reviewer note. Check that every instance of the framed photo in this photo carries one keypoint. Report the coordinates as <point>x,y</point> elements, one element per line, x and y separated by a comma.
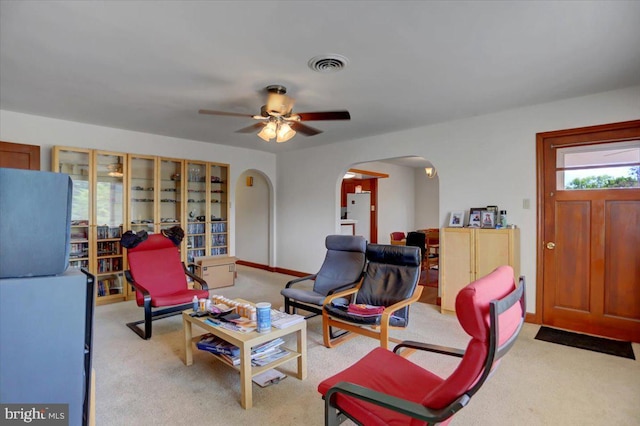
<point>488,219</point>
<point>495,211</point>
<point>457,219</point>
<point>474,219</point>
<point>475,212</point>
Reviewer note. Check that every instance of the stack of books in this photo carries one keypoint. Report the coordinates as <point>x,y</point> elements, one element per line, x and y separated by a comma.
<point>283,320</point>
<point>215,345</point>
<point>260,355</point>
<point>268,352</point>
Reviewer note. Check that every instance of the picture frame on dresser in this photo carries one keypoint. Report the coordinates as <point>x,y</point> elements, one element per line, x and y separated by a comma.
<point>475,219</point>
<point>456,219</point>
<point>488,219</point>
<point>474,216</point>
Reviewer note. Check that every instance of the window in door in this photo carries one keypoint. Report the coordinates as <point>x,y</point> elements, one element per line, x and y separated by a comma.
<point>605,166</point>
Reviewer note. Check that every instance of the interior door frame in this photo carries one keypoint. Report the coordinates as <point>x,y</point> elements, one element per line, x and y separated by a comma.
<point>372,186</point>
<point>540,181</point>
<point>29,153</point>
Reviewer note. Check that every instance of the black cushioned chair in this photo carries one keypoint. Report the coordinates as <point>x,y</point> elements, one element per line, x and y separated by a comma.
<point>418,239</point>
<point>341,269</point>
<point>390,280</point>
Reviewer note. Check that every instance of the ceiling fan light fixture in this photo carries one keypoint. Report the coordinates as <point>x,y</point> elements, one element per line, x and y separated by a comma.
<point>268,132</point>
<point>349,175</point>
<point>277,120</point>
<point>279,104</point>
<point>284,133</point>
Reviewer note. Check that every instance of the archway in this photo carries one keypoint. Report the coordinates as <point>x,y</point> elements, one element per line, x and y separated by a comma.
<point>254,219</point>
<point>406,200</point>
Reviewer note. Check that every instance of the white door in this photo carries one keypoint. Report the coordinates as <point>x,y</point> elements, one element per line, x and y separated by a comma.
<point>359,208</point>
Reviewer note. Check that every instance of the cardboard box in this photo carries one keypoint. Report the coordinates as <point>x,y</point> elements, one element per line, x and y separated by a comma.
<point>217,271</point>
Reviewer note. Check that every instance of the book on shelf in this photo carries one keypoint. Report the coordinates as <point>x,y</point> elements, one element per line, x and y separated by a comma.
<point>210,343</point>
<point>266,348</point>
<point>262,354</point>
<point>269,357</point>
<point>282,320</point>
<point>233,360</point>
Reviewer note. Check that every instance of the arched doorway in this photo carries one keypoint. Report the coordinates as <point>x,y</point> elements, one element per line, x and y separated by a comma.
<point>254,219</point>
<point>406,199</point>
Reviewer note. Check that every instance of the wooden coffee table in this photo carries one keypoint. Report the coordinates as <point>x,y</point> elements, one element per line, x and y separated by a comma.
<point>246,341</point>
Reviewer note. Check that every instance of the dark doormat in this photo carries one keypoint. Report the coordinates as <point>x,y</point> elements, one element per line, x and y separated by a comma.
<point>583,341</point>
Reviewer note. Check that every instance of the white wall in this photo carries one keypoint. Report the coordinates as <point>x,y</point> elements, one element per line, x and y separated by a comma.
<point>396,198</point>
<point>483,160</point>
<point>253,207</point>
<point>48,132</point>
<point>427,201</point>
<point>407,199</point>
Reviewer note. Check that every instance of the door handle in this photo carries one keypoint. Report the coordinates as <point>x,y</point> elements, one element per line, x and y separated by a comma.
<point>551,245</point>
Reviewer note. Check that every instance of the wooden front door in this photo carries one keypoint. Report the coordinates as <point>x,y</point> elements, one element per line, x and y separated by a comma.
<point>19,156</point>
<point>589,241</point>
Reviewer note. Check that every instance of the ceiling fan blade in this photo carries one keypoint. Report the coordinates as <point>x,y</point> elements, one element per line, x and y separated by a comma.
<point>303,128</point>
<point>251,129</point>
<point>326,115</point>
<point>231,114</point>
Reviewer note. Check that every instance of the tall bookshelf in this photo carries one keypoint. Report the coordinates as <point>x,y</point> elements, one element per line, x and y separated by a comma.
<point>108,219</point>
<point>116,192</point>
<point>76,163</point>
<point>206,209</point>
<point>218,176</point>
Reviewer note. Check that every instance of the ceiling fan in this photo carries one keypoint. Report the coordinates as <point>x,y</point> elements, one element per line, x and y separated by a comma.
<point>277,119</point>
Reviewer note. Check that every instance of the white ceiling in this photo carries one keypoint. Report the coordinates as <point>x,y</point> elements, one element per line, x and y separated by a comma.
<point>150,66</point>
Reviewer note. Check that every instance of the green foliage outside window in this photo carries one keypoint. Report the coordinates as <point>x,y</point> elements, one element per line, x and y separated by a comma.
<point>606,181</point>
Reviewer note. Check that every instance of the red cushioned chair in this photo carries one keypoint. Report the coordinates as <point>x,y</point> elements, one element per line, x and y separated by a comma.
<point>160,280</point>
<point>397,238</point>
<point>491,310</point>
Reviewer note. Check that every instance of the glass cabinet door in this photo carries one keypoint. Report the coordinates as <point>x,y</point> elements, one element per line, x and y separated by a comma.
<point>109,218</point>
<point>218,209</point>
<point>196,187</point>
<point>76,165</point>
<point>170,193</point>
<point>142,193</point>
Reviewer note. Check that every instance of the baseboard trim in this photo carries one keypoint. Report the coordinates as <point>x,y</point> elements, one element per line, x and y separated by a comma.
<point>532,318</point>
<point>272,269</point>
<point>255,265</point>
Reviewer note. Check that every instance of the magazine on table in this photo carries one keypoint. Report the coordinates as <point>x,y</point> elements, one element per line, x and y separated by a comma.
<point>262,354</point>
<point>282,320</point>
<point>270,357</point>
<point>210,343</point>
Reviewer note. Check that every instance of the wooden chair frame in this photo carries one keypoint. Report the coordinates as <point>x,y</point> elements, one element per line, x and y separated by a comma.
<point>334,416</point>
<point>379,332</point>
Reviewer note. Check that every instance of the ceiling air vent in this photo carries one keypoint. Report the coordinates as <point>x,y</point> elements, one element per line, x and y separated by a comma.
<point>328,63</point>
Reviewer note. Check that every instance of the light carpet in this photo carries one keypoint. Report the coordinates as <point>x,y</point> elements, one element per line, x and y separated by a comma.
<point>146,382</point>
